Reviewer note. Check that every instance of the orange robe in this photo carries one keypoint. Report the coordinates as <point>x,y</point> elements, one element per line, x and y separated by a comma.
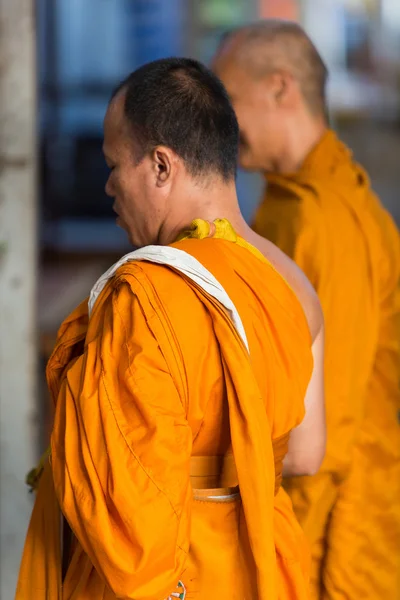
<point>328,220</point>
<point>155,379</point>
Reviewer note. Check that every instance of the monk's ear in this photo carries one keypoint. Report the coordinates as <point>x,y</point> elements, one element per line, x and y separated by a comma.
<point>282,88</point>
<point>164,164</point>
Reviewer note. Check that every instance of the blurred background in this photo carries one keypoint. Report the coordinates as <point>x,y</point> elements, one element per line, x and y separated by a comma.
<point>54,244</point>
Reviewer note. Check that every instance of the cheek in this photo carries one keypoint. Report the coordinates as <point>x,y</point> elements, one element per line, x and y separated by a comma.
<point>133,197</point>
<point>262,129</point>
<point>271,130</point>
<point>124,187</point>
<point>116,184</point>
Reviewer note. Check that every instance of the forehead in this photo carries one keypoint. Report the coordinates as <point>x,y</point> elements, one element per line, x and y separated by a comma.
<point>114,123</point>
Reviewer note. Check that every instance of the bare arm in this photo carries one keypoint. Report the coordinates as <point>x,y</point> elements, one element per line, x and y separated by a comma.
<point>307,441</point>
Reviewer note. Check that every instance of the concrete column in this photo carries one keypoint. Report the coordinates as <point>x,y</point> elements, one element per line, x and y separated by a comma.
<point>18,253</point>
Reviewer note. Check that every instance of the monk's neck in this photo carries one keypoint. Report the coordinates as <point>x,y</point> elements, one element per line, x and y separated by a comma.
<point>211,204</point>
<point>299,146</point>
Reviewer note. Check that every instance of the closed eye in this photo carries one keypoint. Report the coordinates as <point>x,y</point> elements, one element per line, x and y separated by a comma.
<point>109,162</point>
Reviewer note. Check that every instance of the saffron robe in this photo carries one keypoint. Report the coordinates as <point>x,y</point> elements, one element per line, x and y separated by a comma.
<point>329,221</point>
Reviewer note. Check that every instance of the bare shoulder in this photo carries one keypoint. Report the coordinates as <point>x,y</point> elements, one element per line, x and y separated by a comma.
<point>295,278</point>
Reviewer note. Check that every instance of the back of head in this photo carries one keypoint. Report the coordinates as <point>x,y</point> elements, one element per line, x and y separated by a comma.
<point>276,45</point>
<point>179,103</point>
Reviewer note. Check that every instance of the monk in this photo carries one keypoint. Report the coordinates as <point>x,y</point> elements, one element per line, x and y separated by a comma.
<point>178,382</point>
<point>320,210</point>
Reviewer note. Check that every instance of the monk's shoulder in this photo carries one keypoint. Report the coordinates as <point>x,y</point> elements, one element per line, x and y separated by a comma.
<point>142,276</point>
<point>288,223</point>
<point>295,278</point>
<point>292,204</point>
<point>298,193</point>
<point>303,289</point>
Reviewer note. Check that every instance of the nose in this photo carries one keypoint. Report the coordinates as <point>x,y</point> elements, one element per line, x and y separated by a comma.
<point>109,189</point>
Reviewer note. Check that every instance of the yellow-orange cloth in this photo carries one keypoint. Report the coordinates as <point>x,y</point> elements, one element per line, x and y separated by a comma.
<point>156,376</point>
<point>211,473</point>
<point>329,221</point>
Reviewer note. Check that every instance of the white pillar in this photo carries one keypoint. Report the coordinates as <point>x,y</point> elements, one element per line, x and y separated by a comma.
<point>17,280</point>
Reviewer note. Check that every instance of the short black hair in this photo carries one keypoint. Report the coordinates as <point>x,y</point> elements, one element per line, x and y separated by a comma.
<point>179,103</point>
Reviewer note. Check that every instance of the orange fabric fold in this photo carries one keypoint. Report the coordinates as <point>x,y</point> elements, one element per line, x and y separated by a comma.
<point>211,472</point>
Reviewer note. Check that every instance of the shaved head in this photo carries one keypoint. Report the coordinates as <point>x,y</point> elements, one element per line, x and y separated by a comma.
<point>273,45</point>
